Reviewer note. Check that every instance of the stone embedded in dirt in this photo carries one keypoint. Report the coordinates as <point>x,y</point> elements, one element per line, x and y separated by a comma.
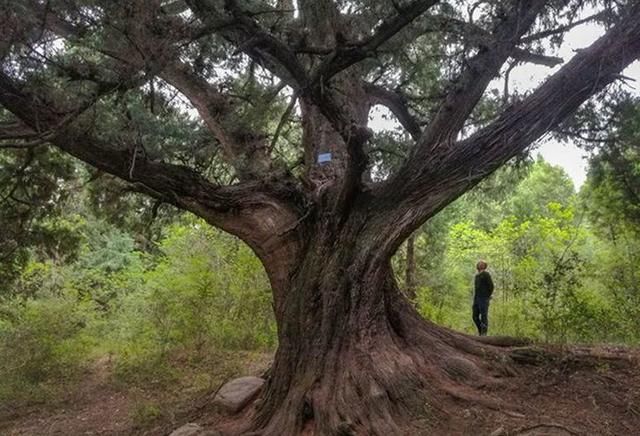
<point>461,369</point>
<point>236,394</point>
<point>190,429</point>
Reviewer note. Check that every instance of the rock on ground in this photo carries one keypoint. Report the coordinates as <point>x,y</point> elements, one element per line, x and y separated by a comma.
<point>236,394</point>
<point>187,430</point>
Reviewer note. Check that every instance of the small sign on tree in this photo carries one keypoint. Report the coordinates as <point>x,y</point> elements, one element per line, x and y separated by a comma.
<point>324,158</point>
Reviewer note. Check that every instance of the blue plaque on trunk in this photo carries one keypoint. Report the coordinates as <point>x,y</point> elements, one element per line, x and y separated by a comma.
<point>324,158</point>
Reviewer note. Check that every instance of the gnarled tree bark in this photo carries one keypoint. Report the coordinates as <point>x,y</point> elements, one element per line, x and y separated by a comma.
<point>354,357</point>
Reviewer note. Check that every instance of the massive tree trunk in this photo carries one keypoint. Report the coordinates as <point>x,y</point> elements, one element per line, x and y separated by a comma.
<point>354,357</point>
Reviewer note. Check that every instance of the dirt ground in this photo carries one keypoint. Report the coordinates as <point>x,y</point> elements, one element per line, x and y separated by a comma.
<point>96,407</point>
<point>576,391</point>
<point>588,391</point>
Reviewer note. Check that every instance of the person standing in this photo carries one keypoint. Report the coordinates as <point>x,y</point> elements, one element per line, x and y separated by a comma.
<point>483,288</point>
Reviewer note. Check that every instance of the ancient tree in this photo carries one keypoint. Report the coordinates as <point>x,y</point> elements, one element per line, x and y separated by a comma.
<point>283,91</point>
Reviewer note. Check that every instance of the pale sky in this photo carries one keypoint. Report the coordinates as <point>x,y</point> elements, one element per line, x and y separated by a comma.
<point>528,77</point>
<point>568,156</point>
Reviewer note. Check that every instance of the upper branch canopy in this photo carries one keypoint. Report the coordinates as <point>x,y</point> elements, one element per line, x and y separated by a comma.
<point>239,65</point>
<point>237,26</point>
<point>345,56</point>
<point>481,69</point>
<point>234,208</point>
<point>426,185</point>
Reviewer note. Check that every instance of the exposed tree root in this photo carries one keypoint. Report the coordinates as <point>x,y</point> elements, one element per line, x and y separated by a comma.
<point>531,356</point>
<point>527,429</point>
<point>392,384</point>
<point>503,341</point>
<point>399,388</point>
<point>399,376</point>
<point>473,398</point>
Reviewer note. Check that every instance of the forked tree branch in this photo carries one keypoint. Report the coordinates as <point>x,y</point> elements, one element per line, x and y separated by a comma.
<point>480,37</point>
<point>349,55</point>
<point>562,29</point>
<point>397,104</point>
<point>249,37</point>
<point>467,89</point>
<point>426,186</point>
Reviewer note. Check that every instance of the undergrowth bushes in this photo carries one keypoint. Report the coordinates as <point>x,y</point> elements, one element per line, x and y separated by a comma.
<point>205,292</point>
<point>43,340</point>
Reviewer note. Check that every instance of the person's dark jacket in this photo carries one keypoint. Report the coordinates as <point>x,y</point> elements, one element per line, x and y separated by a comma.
<point>483,285</point>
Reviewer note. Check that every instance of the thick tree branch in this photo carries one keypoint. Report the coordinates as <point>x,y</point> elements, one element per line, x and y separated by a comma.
<point>397,104</point>
<point>22,145</point>
<point>467,90</point>
<point>525,56</point>
<point>247,153</point>
<point>425,187</point>
<point>249,37</point>
<point>346,56</point>
<point>254,211</point>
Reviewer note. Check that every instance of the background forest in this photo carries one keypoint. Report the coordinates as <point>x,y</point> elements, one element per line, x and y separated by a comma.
<point>92,271</point>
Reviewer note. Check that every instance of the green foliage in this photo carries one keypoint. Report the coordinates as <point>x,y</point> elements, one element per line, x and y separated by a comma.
<point>43,342</point>
<point>612,191</point>
<point>145,413</point>
<point>611,199</point>
<point>540,255</point>
<point>203,292</point>
<point>207,292</point>
<point>615,274</point>
<point>31,195</point>
<point>543,185</point>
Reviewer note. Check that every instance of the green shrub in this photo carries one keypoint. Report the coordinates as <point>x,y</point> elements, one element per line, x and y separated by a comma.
<point>208,292</point>
<point>145,413</point>
<point>43,343</point>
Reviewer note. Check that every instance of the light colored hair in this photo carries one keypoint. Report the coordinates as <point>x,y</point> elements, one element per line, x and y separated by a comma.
<point>481,265</point>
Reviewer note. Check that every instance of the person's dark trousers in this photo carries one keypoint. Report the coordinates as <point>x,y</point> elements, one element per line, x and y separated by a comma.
<point>481,315</point>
